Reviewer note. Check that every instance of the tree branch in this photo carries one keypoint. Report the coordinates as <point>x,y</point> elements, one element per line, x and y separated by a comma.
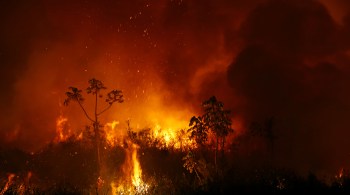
<point>96,106</point>
<point>86,114</point>
<point>104,110</point>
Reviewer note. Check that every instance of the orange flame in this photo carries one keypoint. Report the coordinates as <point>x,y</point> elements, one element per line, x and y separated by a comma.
<point>174,135</point>
<point>132,182</point>
<point>137,171</point>
<point>62,130</point>
<point>8,183</point>
<point>113,135</point>
<point>174,138</point>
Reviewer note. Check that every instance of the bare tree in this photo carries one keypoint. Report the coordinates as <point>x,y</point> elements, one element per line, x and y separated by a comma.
<point>95,88</point>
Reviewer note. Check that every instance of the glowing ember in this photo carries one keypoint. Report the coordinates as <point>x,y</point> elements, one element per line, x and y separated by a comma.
<point>343,173</point>
<point>8,183</point>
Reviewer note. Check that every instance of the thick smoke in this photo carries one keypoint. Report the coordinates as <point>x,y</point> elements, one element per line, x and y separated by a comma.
<point>294,67</point>
<point>286,59</point>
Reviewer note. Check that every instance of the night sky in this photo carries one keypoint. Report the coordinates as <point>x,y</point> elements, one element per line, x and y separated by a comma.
<point>287,59</point>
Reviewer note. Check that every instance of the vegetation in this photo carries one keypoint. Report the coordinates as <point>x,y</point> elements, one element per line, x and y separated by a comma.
<point>215,119</point>
<point>68,167</point>
<point>163,170</point>
<point>95,88</point>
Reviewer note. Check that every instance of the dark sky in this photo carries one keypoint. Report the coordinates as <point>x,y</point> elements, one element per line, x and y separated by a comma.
<point>287,59</point>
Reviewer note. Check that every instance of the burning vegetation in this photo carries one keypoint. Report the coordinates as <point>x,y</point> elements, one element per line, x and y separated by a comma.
<point>112,159</point>
<point>203,97</point>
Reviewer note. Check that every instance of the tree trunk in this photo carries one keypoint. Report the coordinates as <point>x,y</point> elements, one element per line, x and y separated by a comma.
<point>223,148</point>
<point>272,151</point>
<point>216,154</point>
<point>97,145</point>
<point>199,178</point>
<point>97,135</point>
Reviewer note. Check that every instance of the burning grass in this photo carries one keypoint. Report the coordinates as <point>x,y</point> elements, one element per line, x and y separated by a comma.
<point>69,168</point>
<point>171,159</point>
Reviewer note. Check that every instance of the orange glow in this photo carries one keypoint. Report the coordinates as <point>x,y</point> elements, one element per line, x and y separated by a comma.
<point>62,130</point>
<point>112,136</point>
<point>132,181</point>
<point>8,183</point>
<point>342,173</point>
<point>137,171</point>
<point>176,138</point>
<point>172,135</point>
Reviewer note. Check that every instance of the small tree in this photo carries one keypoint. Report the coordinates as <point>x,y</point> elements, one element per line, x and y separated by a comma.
<point>198,130</point>
<point>95,88</point>
<point>217,119</point>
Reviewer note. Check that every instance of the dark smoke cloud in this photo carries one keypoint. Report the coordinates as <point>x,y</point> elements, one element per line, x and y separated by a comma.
<point>290,68</point>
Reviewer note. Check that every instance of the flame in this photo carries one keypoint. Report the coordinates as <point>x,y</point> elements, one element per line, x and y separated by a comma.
<point>137,171</point>
<point>8,183</point>
<point>132,182</point>
<point>175,138</point>
<point>112,136</point>
<point>114,188</point>
<point>343,173</point>
<point>174,135</point>
<point>62,130</point>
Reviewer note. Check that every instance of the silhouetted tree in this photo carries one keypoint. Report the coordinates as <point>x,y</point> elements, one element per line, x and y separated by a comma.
<point>95,88</point>
<point>217,119</point>
<point>181,135</point>
<point>198,130</point>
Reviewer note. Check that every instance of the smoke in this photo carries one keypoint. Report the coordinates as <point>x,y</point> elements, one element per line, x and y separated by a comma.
<point>287,59</point>
<point>294,67</point>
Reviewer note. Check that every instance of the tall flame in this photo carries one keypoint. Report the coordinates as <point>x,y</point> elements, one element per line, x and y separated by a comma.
<point>132,182</point>
<point>137,171</point>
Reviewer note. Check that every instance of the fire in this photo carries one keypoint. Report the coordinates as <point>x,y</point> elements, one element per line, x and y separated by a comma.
<point>132,182</point>
<point>8,183</point>
<point>113,135</point>
<point>343,173</point>
<point>175,138</point>
<point>114,187</point>
<point>62,130</point>
<point>172,135</point>
<point>137,171</point>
